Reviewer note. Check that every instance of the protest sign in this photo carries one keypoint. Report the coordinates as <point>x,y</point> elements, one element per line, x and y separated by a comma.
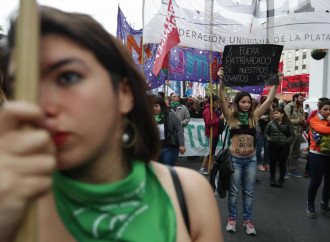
<point>251,65</point>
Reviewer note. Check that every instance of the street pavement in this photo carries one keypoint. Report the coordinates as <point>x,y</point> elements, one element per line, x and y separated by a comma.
<point>279,213</point>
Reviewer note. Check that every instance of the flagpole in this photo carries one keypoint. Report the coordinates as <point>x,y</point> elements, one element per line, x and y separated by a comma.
<point>167,89</point>
<point>211,108</point>
<point>168,72</point>
<point>26,88</point>
<point>142,60</point>
<point>211,85</point>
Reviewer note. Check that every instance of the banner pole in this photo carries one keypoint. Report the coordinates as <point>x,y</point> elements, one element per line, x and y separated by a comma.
<point>211,109</point>
<point>26,89</point>
<point>142,60</point>
<point>168,72</point>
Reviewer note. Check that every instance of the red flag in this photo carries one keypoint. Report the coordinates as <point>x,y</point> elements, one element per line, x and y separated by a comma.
<point>170,38</point>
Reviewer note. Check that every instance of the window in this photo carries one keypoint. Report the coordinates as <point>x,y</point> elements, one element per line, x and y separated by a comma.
<point>296,67</point>
<point>304,53</point>
<point>288,73</point>
<point>304,71</point>
<point>304,61</point>
<point>289,55</point>
<point>297,53</point>
<point>289,64</point>
<point>296,72</point>
<point>304,66</point>
<point>296,58</point>
<point>297,63</point>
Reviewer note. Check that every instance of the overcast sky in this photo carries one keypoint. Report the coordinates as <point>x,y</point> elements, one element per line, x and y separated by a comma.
<point>104,11</point>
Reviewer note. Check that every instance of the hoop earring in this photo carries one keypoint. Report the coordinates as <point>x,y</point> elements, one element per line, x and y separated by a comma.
<point>129,136</point>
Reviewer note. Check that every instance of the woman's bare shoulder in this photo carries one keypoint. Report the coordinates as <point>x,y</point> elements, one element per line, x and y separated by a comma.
<point>185,174</point>
<point>205,223</point>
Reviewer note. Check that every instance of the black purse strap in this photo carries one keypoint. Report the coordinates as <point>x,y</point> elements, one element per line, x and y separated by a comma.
<point>180,195</point>
<point>226,133</point>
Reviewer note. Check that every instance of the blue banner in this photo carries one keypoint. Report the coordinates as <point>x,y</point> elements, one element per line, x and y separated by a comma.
<point>186,64</point>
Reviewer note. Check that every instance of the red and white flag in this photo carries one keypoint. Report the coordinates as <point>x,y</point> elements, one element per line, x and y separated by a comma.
<point>170,38</point>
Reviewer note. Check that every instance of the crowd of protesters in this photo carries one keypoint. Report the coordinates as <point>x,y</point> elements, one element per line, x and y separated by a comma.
<point>266,125</point>
<point>276,130</point>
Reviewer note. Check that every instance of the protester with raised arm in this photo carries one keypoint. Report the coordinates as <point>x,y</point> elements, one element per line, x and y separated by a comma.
<point>242,122</point>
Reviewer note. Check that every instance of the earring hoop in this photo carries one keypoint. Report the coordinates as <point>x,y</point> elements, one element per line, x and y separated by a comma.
<point>129,136</point>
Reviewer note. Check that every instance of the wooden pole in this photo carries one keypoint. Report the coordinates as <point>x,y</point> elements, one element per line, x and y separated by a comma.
<point>167,88</point>
<point>168,73</point>
<point>27,52</point>
<point>26,88</point>
<point>211,109</point>
<point>142,60</point>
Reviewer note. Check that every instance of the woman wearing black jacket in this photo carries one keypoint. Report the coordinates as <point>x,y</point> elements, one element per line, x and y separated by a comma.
<point>280,134</point>
<point>168,125</point>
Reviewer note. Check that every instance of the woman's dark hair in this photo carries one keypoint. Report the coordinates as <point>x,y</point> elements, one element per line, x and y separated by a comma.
<point>214,98</point>
<point>163,108</point>
<point>285,119</point>
<point>324,103</point>
<point>161,94</point>
<point>117,60</point>
<point>192,103</point>
<point>262,99</point>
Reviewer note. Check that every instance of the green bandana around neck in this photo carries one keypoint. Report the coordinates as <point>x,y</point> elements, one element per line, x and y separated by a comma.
<point>159,117</point>
<point>174,104</point>
<point>243,117</point>
<point>136,208</point>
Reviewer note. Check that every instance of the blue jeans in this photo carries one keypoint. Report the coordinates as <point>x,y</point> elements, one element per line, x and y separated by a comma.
<point>245,171</point>
<point>262,143</point>
<point>168,156</point>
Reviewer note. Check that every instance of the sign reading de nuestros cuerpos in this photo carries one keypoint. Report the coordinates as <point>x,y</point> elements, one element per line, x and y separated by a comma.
<point>251,65</point>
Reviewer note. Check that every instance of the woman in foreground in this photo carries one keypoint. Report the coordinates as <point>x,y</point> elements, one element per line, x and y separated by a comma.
<point>88,158</point>
<point>242,122</point>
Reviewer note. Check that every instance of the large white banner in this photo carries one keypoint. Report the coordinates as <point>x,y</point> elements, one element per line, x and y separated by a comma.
<point>212,24</point>
<point>196,142</point>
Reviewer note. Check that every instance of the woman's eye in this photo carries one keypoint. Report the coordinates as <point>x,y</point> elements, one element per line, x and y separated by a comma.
<point>68,78</point>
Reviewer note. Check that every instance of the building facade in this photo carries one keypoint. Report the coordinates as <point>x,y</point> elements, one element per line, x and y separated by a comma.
<point>296,62</point>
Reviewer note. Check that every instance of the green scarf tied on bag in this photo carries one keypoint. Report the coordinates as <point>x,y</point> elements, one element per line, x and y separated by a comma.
<point>134,209</point>
<point>243,117</point>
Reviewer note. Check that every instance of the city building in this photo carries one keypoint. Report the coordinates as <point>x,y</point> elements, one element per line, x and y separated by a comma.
<point>296,62</point>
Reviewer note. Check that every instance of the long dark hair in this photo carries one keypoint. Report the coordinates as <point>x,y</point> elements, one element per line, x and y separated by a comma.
<point>116,59</point>
<point>233,120</point>
<point>163,107</point>
<point>285,119</point>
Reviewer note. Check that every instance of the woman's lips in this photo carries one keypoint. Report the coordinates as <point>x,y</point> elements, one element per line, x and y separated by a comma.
<point>60,137</point>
